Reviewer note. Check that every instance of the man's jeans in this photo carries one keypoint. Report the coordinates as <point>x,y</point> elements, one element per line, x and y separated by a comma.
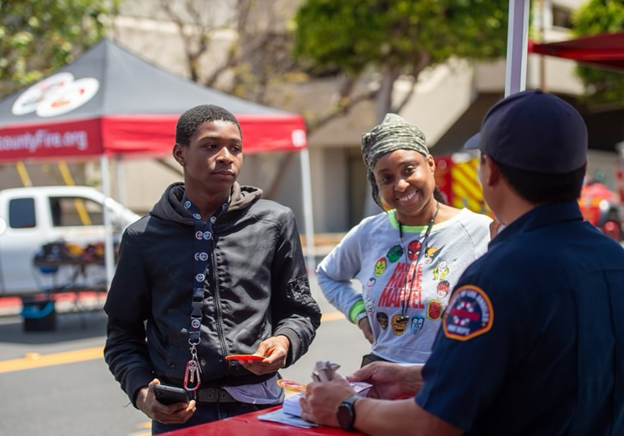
<point>209,412</point>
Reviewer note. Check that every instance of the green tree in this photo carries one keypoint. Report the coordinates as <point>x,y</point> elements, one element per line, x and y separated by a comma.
<point>258,56</point>
<point>594,17</point>
<point>38,36</point>
<point>395,38</point>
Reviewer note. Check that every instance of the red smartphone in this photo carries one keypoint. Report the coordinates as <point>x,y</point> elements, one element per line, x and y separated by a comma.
<point>245,357</point>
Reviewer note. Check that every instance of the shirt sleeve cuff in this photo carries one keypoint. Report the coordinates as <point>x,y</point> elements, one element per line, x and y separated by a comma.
<point>136,380</point>
<point>356,309</point>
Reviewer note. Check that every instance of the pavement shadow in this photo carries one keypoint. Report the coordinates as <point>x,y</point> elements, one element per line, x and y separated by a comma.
<point>70,326</point>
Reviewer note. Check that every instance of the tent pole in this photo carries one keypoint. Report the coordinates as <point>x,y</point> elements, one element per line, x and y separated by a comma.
<point>121,179</point>
<point>306,183</point>
<point>517,43</point>
<point>108,234</point>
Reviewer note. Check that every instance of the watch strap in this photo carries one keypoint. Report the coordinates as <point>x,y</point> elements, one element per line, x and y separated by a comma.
<point>346,413</point>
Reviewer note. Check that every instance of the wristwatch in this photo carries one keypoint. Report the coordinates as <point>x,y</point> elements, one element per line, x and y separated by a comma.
<point>346,413</point>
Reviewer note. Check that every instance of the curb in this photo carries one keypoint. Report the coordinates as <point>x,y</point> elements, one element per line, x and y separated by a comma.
<point>12,306</point>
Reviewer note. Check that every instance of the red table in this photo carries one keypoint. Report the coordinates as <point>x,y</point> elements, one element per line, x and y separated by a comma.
<point>250,424</point>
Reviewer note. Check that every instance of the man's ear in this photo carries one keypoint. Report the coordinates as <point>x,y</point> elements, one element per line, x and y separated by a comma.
<point>492,172</point>
<point>178,154</point>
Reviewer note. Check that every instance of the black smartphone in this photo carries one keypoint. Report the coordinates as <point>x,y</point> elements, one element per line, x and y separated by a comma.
<point>170,394</point>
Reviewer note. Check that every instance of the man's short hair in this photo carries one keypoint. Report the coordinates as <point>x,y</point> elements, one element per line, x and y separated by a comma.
<point>189,121</point>
<point>539,188</point>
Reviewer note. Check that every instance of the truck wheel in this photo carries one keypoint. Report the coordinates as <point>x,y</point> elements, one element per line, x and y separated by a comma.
<point>613,229</point>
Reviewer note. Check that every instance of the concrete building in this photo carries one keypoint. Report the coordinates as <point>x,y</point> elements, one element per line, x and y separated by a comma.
<point>448,104</point>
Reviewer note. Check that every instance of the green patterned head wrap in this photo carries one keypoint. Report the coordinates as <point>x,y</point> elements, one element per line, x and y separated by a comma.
<point>394,133</point>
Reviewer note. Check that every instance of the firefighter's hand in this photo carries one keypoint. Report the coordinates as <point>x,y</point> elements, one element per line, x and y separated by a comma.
<point>274,350</point>
<point>177,413</point>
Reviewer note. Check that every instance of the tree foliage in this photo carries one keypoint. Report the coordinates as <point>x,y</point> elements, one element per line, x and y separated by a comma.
<point>397,37</point>
<point>355,33</point>
<point>258,54</point>
<point>595,17</point>
<point>38,36</point>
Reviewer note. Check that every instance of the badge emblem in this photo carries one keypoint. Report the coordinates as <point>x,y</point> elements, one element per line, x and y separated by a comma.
<point>369,303</point>
<point>369,285</point>
<point>380,267</point>
<point>443,288</point>
<point>418,322</point>
<point>413,250</point>
<point>469,314</point>
<point>399,324</point>
<point>382,319</point>
<point>395,253</point>
<point>434,309</point>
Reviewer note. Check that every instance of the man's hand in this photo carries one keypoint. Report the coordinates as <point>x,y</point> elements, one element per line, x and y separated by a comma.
<point>173,414</point>
<point>323,399</point>
<point>364,325</point>
<point>390,381</point>
<point>275,351</point>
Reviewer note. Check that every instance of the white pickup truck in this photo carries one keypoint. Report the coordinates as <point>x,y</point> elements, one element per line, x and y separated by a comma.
<point>54,217</point>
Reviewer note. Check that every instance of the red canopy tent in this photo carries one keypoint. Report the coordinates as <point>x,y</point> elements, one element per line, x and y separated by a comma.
<point>116,103</point>
<point>604,50</point>
<point>109,102</point>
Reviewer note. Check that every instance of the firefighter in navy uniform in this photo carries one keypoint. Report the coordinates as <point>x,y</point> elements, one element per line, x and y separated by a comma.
<point>533,337</point>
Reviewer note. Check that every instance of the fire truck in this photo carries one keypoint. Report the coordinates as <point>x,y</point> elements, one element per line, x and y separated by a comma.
<point>602,207</point>
<point>457,179</point>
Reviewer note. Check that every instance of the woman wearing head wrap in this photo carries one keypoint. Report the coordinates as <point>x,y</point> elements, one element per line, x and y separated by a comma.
<point>408,258</point>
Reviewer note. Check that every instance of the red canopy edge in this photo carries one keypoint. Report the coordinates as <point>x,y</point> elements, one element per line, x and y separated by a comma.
<point>605,50</point>
<point>136,134</point>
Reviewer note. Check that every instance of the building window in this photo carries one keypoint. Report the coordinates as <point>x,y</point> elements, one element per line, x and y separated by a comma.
<point>562,17</point>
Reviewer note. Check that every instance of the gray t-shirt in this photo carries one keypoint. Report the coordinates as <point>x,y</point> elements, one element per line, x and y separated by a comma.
<point>384,263</point>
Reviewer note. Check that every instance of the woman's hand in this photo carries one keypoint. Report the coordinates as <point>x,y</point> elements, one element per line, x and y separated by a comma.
<point>364,325</point>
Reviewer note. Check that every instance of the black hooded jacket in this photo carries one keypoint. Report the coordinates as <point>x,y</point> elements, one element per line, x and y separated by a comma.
<point>259,288</point>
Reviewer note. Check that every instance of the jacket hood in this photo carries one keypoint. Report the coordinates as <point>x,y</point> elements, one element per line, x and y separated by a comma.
<point>170,207</point>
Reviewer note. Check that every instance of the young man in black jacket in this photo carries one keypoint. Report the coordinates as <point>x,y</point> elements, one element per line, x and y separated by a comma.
<point>212,271</point>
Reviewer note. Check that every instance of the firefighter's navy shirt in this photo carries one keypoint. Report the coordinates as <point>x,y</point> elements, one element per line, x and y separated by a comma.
<point>533,336</point>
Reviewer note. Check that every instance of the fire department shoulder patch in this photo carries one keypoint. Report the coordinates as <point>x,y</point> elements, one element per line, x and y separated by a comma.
<point>469,314</point>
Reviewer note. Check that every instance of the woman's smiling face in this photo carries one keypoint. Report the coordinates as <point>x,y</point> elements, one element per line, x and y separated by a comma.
<point>406,183</point>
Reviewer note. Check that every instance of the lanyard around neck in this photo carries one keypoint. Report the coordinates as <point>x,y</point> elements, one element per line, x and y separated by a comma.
<point>423,247</point>
<point>203,255</point>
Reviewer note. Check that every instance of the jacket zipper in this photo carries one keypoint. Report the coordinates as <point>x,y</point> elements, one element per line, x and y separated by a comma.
<point>217,300</point>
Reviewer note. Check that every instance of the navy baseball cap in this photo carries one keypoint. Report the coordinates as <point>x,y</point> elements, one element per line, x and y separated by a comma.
<point>533,131</point>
